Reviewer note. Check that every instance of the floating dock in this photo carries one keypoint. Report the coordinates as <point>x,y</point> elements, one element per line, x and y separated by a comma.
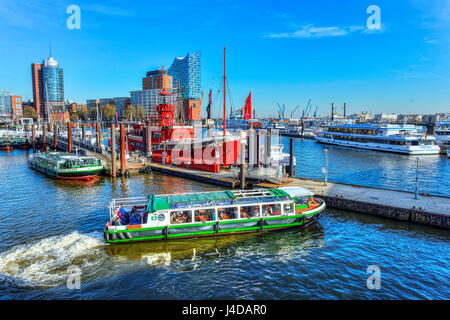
<point>399,205</point>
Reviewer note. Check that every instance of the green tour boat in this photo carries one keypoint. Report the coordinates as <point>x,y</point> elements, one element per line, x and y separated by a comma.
<point>66,166</point>
<point>168,216</point>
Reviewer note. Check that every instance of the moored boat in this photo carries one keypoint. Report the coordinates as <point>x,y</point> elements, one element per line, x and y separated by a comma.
<point>168,216</point>
<point>66,166</point>
<point>406,139</point>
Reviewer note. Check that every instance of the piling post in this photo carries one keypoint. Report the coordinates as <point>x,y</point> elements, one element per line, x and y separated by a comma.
<point>251,147</point>
<point>267,151</point>
<point>44,146</point>
<point>122,149</point>
<point>69,137</point>
<point>55,135</point>
<point>49,127</point>
<point>113,150</point>
<point>291,158</point>
<point>33,137</point>
<point>258,144</point>
<point>83,132</point>
<point>242,173</point>
<point>98,134</point>
<point>149,139</point>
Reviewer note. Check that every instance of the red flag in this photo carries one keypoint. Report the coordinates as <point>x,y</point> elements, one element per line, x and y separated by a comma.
<point>248,107</point>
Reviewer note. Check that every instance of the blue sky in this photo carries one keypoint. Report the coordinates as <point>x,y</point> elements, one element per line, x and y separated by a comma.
<point>284,51</point>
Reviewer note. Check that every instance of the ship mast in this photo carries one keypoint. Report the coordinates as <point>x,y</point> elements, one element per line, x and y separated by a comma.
<point>224,90</point>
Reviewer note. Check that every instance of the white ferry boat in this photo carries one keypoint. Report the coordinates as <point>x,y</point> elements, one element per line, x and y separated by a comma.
<point>442,132</point>
<point>407,139</point>
<point>169,216</point>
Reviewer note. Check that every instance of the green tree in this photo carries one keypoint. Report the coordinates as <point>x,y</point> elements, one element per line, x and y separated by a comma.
<point>74,116</point>
<point>129,113</point>
<point>29,112</point>
<point>108,112</point>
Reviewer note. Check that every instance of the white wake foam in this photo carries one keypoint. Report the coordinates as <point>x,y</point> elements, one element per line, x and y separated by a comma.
<point>44,263</point>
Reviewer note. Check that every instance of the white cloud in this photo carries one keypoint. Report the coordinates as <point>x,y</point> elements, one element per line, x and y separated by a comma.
<point>311,31</point>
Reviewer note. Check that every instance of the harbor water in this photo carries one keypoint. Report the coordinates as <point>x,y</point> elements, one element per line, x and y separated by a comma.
<point>48,226</point>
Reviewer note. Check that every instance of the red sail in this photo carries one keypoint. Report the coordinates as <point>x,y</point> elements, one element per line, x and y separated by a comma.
<point>248,107</point>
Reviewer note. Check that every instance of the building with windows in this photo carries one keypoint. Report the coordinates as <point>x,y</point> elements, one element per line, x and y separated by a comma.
<point>10,105</point>
<point>155,79</point>
<point>48,86</point>
<point>149,99</point>
<point>186,73</point>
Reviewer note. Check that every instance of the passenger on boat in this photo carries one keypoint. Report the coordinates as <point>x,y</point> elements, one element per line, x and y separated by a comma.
<point>135,217</point>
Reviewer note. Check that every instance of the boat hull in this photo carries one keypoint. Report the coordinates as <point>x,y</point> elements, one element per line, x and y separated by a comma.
<point>214,228</point>
<point>66,175</point>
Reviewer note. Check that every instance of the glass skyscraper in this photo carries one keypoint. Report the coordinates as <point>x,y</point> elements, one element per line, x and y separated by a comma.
<point>48,86</point>
<point>53,79</point>
<point>186,75</point>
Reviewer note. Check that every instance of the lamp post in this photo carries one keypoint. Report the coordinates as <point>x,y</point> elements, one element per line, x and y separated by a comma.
<point>325,169</point>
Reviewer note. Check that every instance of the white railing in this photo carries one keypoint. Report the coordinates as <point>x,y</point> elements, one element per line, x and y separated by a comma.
<point>126,203</point>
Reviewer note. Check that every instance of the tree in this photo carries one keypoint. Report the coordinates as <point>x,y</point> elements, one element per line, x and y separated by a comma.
<point>140,110</point>
<point>29,112</point>
<point>82,114</point>
<point>129,113</point>
<point>93,113</point>
<point>108,112</point>
<point>74,116</point>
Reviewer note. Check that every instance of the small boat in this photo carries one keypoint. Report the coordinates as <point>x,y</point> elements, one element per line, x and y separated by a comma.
<point>66,166</point>
<point>5,145</point>
<point>448,153</point>
<point>169,216</point>
<point>19,143</point>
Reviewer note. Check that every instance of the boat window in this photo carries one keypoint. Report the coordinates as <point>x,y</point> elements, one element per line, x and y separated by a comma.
<point>161,217</point>
<point>184,216</point>
<point>203,215</point>
<point>288,208</point>
<point>249,211</point>
<point>227,213</point>
<point>271,209</point>
<point>301,200</point>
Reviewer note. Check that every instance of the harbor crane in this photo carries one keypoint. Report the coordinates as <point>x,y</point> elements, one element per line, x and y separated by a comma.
<point>315,112</point>
<point>281,110</point>
<point>306,110</point>
<point>293,112</point>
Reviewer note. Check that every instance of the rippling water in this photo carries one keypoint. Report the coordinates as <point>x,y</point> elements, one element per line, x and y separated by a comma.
<point>47,226</point>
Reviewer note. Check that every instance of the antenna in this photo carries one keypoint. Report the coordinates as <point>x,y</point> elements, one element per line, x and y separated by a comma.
<point>50,48</point>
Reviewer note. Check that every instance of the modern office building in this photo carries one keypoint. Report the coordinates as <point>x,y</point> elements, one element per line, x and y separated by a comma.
<point>10,105</point>
<point>186,73</point>
<point>16,106</point>
<point>155,79</point>
<point>48,86</point>
<point>149,99</point>
<point>121,103</point>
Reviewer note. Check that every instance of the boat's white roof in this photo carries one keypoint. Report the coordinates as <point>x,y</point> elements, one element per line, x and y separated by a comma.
<point>297,191</point>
